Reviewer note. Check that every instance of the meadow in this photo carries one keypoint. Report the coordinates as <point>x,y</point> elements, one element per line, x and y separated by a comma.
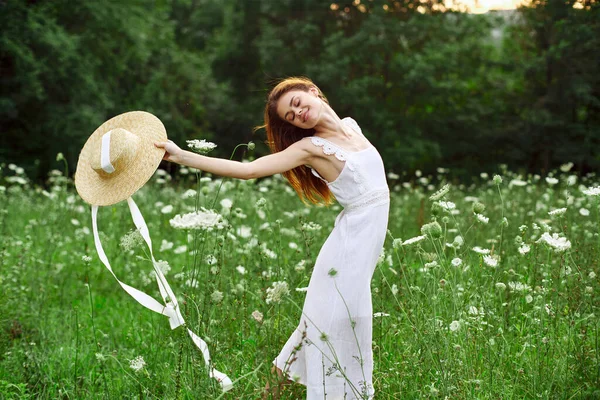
<point>485,289</point>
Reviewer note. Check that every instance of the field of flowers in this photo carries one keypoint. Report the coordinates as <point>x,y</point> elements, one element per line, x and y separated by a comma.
<point>486,289</point>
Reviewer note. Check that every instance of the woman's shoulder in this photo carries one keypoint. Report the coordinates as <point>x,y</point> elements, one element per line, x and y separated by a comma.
<point>350,121</point>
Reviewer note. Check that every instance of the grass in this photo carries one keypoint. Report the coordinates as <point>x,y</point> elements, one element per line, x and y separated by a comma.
<point>525,328</point>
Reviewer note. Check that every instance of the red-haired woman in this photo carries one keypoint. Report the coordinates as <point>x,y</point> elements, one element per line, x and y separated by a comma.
<point>322,155</point>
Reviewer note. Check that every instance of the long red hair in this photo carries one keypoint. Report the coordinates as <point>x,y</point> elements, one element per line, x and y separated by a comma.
<point>281,134</point>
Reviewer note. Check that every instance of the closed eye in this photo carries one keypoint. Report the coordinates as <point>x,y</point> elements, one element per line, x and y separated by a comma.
<point>293,114</point>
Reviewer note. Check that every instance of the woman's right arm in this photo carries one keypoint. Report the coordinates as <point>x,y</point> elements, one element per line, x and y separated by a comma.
<point>295,155</point>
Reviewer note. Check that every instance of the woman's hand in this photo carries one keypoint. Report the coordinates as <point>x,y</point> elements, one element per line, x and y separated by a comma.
<point>173,154</point>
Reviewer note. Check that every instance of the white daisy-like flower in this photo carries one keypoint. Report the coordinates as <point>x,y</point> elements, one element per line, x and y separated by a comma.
<point>481,218</point>
<point>216,296</point>
<point>277,291</point>
<point>380,314</point>
<point>456,262</point>
<point>137,363</point>
<point>479,250</point>
<point>593,191</point>
<point>211,259</point>
<point>566,167</point>
<point>257,315</point>
<point>584,211</point>
<point>551,180</point>
<point>189,194</point>
<point>392,175</point>
<point>519,287</point>
<point>558,243</point>
<point>529,298</point>
<point>241,269</point>
<point>201,219</point>
<point>168,209</point>
<point>413,240</point>
<point>226,203</point>
<point>558,211</point>
<point>592,275</point>
<point>200,146</point>
<point>454,326</point>
<point>517,182</point>
<point>524,249</point>
<point>500,285</point>
<point>447,205</point>
<point>491,261</point>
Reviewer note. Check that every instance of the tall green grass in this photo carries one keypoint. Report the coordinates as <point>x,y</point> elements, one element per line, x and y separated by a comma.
<point>446,324</point>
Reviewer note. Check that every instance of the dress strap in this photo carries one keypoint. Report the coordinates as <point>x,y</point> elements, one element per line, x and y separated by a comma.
<point>353,124</point>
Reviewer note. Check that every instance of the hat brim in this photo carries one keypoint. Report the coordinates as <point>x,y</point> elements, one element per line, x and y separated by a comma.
<point>103,191</point>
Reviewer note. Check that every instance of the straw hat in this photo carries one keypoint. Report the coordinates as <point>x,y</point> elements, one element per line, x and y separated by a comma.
<point>119,158</point>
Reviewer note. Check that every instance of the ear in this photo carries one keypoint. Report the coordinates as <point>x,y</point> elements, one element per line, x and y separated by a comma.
<point>314,91</point>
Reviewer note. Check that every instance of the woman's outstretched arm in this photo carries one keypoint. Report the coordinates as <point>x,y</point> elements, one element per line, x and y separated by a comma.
<point>295,155</point>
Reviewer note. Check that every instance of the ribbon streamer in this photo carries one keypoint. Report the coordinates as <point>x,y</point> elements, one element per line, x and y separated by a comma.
<point>170,308</point>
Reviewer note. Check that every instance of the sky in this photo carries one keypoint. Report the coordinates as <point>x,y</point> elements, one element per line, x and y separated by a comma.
<point>483,6</point>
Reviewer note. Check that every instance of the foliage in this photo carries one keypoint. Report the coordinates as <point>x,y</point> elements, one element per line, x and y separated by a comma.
<point>428,87</point>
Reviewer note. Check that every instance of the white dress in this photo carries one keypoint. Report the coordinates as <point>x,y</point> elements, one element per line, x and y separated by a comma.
<point>326,353</point>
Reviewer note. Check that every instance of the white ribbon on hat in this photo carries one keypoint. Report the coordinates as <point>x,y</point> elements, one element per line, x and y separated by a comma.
<point>170,308</point>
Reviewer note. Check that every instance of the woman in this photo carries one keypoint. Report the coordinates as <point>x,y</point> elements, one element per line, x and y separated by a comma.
<point>320,155</point>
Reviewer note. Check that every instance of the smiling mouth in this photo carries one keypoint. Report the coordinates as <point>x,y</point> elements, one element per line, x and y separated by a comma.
<point>305,116</point>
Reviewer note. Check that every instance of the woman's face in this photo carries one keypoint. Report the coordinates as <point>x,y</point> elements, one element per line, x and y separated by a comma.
<point>300,108</point>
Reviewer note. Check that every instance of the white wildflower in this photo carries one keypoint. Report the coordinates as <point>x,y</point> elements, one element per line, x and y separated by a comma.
<point>479,250</point>
<point>413,240</point>
<point>447,205</point>
<point>216,296</point>
<point>524,249</point>
<point>558,243</point>
<point>517,182</point>
<point>454,326</point>
<point>200,146</point>
<point>241,269</point>
<point>566,167</point>
<point>456,262</point>
<point>481,218</point>
<point>202,219</point>
<point>257,315</point>
<point>551,181</point>
<point>584,211</point>
<point>593,191</point>
<point>277,291</point>
<point>380,314</point>
<point>519,287</point>
<point>137,363</point>
<point>491,261</point>
<point>189,194</point>
<point>311,226</point>
<point>226,203</point>
<point>168,209</point>
<point>558,211</point>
